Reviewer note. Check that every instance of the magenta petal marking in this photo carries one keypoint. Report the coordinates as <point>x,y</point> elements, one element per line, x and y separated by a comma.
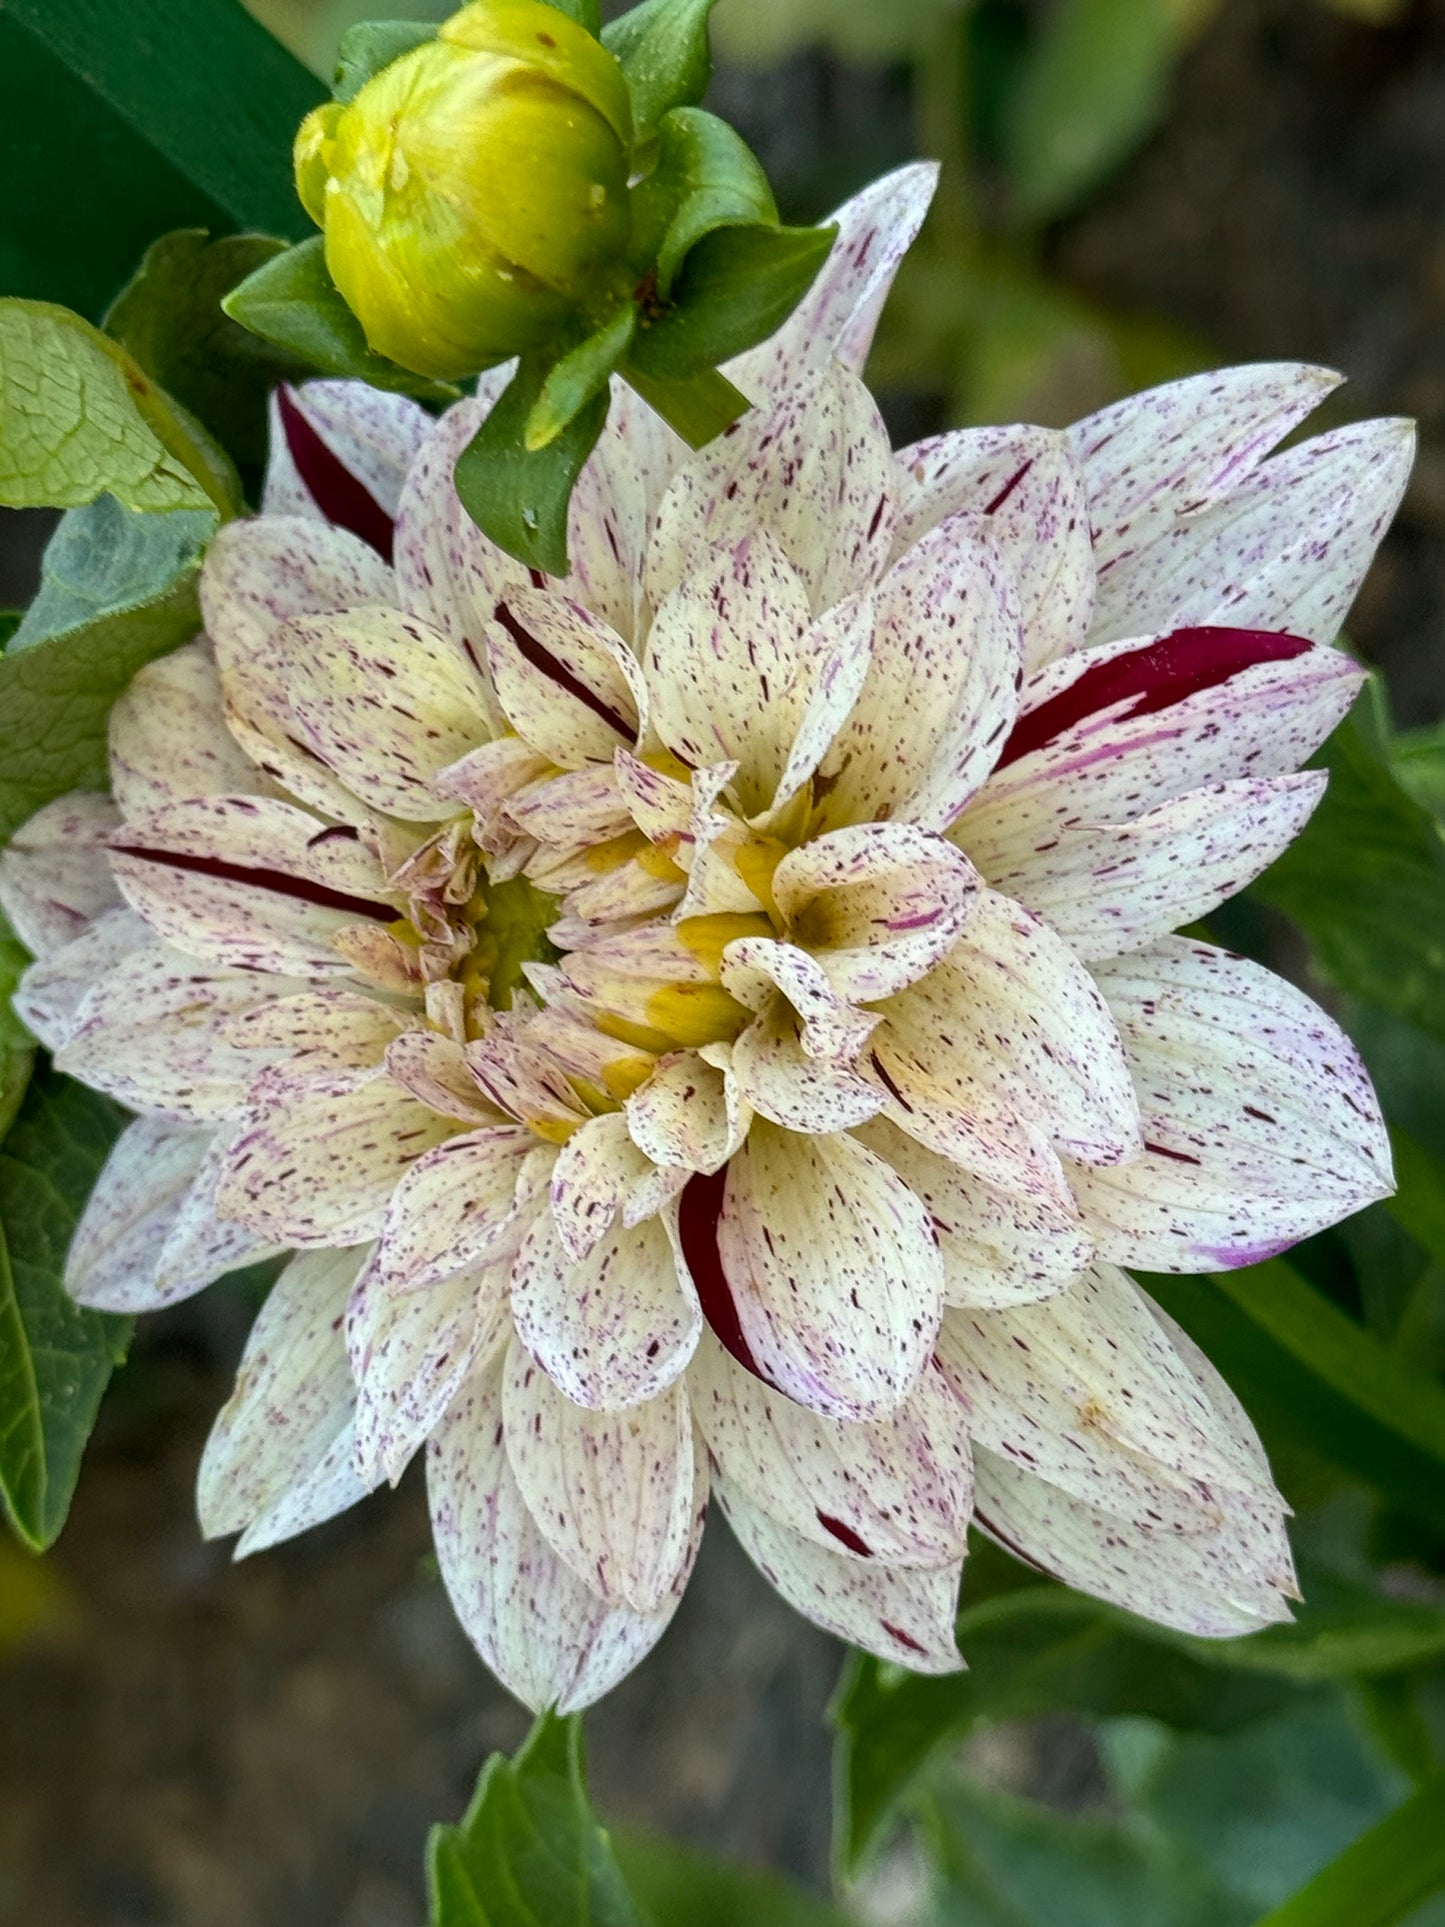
<point>1236,1258</point>
<point>535,652</point>
<point>277,881</point>
<point>699,1209</point>
<point>1159,673</point>
<point>341,497</point>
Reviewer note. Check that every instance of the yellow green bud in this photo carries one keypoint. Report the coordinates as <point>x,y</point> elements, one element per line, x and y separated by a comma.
<point>476,188</point>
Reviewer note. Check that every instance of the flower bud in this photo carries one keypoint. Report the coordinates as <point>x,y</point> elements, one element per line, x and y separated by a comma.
<point>475,189</point>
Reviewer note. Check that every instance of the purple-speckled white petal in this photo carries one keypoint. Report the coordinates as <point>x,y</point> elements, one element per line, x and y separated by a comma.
<point>814,469</point>
<point>51,991</point>
<point>168,736</point>
<point>999,1248</point>
<point>293,1402</point>
<point>547,1636</point>
<point>612,506</point>
<point>837,317</point>
<point>568,684</point>
<point>613,1493</point>
<point>374,435</point>
<point>601,1174</point>
<point>612,1329</point>
<point>578,807</point>
<point>833,1271</point>
<point>122,1231</point>
<point>318,1158</point>
<point>320,1030</point>
<point>201,1245</point>
<point>687,1113</point>
<point>1027,486</point>
<point>1153,459</point>
<point>456,1208</point>
<point>776,1077</point>
<point>947,658</point>
<point>55,876</point>
<point>899,1490</point>
<point>1260,1126</point>
<point>753,968</point>
<point>901,1613</point>
<point>267,570</point>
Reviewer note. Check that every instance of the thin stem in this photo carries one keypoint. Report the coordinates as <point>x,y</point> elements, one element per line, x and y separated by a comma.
<point>699,408</point>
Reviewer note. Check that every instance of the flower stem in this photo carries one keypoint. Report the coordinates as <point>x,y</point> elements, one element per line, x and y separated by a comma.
<point>699,408</point>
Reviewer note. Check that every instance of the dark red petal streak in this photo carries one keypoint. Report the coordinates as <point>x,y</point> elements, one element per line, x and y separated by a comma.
<point>277,881</point>
<point>341,496</point>
<point>532,650</point>
<point>1158,675</point>
<point>699,1210</point>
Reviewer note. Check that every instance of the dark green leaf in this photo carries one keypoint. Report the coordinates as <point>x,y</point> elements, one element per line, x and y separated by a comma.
<point>123,591</point>
<point>55,1359</point>
<point>663,48</point>
<point>17,1047</point>
<point>581,375</point>
<point>529,1852</point>
<point>293,303</point>
<point>371,45</point>
<point>10,620</point>
<point>706,177</point>
<point>519,496</point>
<point>676,1884</point>
<point>1418,758</point>
<point>1366,884</point>
<point>1387,1872</point>
<point>735,288</point>
<point>587,13</point>
<point>119,123</point>
<point>170,319</point>
<point>1419,1200</point>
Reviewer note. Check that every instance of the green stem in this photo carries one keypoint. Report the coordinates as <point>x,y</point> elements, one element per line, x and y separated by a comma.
<point>699,408</point>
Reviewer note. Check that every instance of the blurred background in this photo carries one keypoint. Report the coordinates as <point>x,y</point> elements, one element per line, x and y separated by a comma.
<point>1133,189</point>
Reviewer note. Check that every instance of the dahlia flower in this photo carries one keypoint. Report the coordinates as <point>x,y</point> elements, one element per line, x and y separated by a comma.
<point>712,1024</point>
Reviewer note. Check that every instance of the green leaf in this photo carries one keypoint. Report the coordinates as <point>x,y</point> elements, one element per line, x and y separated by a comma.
<point>676,1883</point>
<point>519,496</point>
<point>735,288</point>
<point>1093,85</point>
<point>17,1047</point>
<point>529,1852</point>
<point>170,319</point>
<point>79,418</point>
<point>293,303</point>
<point>706,177</point>
<point>118,590</point>
<point>662,46</point>
<point>1366,884</point>
<point>1294,1356</point>
<point>10,620</point>
<point>118,123</point>
<point>1387,1872</point>
<point>371,45</point>
<point>587,13</point>
<point>1419,1200</point>
<point>581,375</point>
<point>55,1359</point>
<point>1418,759</point>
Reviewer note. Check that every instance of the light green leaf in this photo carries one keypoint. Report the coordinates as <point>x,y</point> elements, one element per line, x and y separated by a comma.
<point>79,418</point>
<point>1094,84</point>
<point>1383,1876</point>
<point>581,375</point>
<point>121,590</point>
<point>17,1047</point>
<point>676,1883</point>
<point>55,1359</point>
<point>735,288</point>
<point>1418,759</point>
<point>706,177</point>
<point>169,318</point>
<point>662,46</point>
<point>529,1852</point>
<point>293,303</point>
<point>371,45</point>
<point>519,496</point>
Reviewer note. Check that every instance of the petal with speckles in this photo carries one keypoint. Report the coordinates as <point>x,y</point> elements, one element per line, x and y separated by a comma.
<point>568,684</point>
<point>50,992</point>
<point>600,1174</point>
<point>111,1264</point>
<point>55,876</point>
<point>454,1209</point>
<point>1259,1123</point>
<point>687,1113</point>
<point>900,1613</point>
<point>168,736</point>
<point>265,571</point>
<point>372,436</point>
<point>776,1076</point>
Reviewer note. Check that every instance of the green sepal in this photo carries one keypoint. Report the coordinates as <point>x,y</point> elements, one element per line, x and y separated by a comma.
<point>662,47</point>
<point>581,374</point>
<point>736,287</point>
<point>587,13</point>
<point>293,303</point>
<point>705,177</point>
<point>519,496</point>
<point>371,45</point>
<point>169,318</point>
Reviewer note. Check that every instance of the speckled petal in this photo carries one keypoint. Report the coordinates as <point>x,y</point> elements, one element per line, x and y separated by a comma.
<point>264,571</point>
<point>292,1403</point>
<point>168,736</point>
<point>249,881</point>
<point>598,1171</point>
<point>50,992</point>
<point>111,1264</point>
<point>611,509</point>
<point>999,1249</point>
<point>1153,459</point>
<point>837,317</point>
<point>753,968</point>
<point>374,436</point>
<point>1260,1126</point>
<point>687,1113</point>
<point>320,1030</point>
<point>899,1490</point>
<point>813,468</point>
<point>900,1613</point>
<point>547,1636</point>
<point>778,1078</point>
<point>613,1493</point>
<point>567,682</point>
<point>433,1068</point>
<point>947,657</point>
<point>55,875</point>
<point>833,1271</point>
<point>202,1246</point>
<point>1027,485</point>
<point>318,1158</point>
<point>615,1328</point>
<point>581,807</point>
<point>455,1209</point>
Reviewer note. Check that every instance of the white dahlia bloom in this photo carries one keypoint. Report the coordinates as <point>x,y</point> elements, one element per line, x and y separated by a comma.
<point>713,1024</point>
